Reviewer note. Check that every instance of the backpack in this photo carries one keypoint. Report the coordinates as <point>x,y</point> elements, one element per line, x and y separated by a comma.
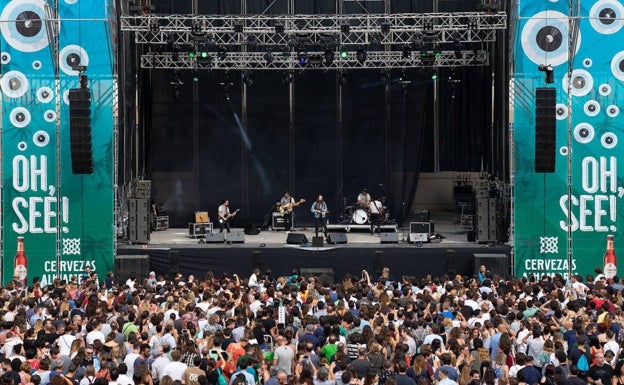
<point>221,380</point>
<point>582,363</point>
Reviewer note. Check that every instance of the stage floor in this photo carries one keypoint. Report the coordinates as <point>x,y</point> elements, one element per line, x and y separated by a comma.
<point>445,224</point>
<point>173,250</point>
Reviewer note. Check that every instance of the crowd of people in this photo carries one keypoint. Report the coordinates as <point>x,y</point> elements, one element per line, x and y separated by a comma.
<point>230,330</point>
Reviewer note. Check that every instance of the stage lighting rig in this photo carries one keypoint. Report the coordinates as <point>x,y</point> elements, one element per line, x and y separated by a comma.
<point>361,55</point>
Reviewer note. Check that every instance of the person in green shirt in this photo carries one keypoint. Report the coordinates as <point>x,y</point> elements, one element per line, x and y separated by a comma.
<point>129,326</point>
<point>330,348</point>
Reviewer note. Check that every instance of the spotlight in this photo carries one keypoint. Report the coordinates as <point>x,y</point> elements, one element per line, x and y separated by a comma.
<point>407,52</point>
<point>329,56</point>
<point>203,57</point>
<point>434,75</point>
<point>345,27</point>
<point>221,52</point>
<point>549,72</point>
<point>268,57</point>
<point>195,76</point>
<point>418,40</point>
<point>287,79</point>
<point>361,55</point>
<point>437,52</point>
<point>175,55</point>
<point>315,60</point>
<point>302,58</point>
<point>247,80</point>
<point>385,27</point>
<point>192,54</point>
<point>344,53</point>
<point>238,27</point>
<point>279,28</point>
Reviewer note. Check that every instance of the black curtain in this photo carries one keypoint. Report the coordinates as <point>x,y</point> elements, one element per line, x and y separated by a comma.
<point>206,142</point>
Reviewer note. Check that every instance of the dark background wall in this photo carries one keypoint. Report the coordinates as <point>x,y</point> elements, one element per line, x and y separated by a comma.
<point>201,148</point>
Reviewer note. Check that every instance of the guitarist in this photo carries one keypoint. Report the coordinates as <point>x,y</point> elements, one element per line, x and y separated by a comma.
<point>224,214</point>
<point>287,203</point>
<point>319,209</point>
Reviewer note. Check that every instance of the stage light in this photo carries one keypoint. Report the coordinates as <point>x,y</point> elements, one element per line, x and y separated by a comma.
<point>344,53</point>
<point>191,54</point>
<point>302,58</point>
<point>268,57</point>
<point>437,52</point>
<point>418,40</point>
<point>345,27</point>
<point>247,79</point>
<point>407,52</point>
<point>279,28</point>
<point>221,52</point>
<point>238,27</point>
<point>361,55</point>
<point>549,72</point>
<point>385,27</point>
<point>195,76</point>
<point>329,56</point>
<point>434,75</point>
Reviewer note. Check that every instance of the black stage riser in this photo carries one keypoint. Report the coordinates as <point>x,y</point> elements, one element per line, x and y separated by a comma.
<point>402,261</point>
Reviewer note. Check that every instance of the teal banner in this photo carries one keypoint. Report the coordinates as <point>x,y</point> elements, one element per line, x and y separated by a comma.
<point>544,32</point>
<point>42,200</point>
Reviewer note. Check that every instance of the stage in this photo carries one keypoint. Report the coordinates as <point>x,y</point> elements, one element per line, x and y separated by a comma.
<point>174,250</point>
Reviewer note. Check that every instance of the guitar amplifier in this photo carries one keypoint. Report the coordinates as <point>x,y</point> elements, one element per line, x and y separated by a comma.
<point>199,229</point>
<point>278,222</point>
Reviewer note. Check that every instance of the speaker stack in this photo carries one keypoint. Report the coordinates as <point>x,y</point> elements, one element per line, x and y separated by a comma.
<point>139,213</point>
<point>486,220</point>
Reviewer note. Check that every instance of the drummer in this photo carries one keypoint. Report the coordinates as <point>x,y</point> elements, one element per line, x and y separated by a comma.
<point>363,199</point>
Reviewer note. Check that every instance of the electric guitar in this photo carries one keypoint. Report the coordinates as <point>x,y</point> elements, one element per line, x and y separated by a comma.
<point>289,206</point>
<point>228,216</point>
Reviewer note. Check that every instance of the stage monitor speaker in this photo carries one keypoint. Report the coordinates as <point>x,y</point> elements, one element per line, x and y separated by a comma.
<point>545,129</point>
<point>497,264</point>
<point>236,237</point>
<point>127,265</point>
<point>317,242</point>
<point>336,238</point>
<point>296,239</point>
<point>174,261</point>
<point>214,238</point>
<point>389,237</point>
<point>325,275</point>
<point>80,130</point>
<point>252,229</point>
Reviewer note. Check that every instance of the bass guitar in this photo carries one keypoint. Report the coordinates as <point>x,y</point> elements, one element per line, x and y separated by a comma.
<point>289,206</point>
<point>228,216</point>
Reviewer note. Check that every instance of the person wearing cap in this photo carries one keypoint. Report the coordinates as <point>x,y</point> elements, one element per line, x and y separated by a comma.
<point>309,336</point>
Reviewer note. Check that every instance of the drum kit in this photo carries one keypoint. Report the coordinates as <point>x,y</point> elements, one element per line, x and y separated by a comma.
<point>361,215</point>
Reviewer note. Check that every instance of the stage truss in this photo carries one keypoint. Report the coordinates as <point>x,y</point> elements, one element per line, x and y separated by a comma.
<point>278,42</point>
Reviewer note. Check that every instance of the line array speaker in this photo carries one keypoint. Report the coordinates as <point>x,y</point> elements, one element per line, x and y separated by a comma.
<point>545,129</point>
<point>80,130</point>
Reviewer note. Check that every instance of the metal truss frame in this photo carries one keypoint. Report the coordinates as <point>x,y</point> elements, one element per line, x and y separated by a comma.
<point>246,61</point>
<point>248,38</point>
<point>354,29</point>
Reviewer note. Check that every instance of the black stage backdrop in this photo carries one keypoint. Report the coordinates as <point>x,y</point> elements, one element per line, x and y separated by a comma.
<point>209,141</point>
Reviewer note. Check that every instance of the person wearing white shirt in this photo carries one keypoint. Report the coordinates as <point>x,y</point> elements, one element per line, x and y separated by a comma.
<point>131,357</point>
<point>160,361</point>
<point>123,378</point>
<point>175,369</point>
<point>95,333</point>
<point>612,345</point>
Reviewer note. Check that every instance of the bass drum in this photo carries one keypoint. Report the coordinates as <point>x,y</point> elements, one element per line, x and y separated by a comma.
<point>360,216</point>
